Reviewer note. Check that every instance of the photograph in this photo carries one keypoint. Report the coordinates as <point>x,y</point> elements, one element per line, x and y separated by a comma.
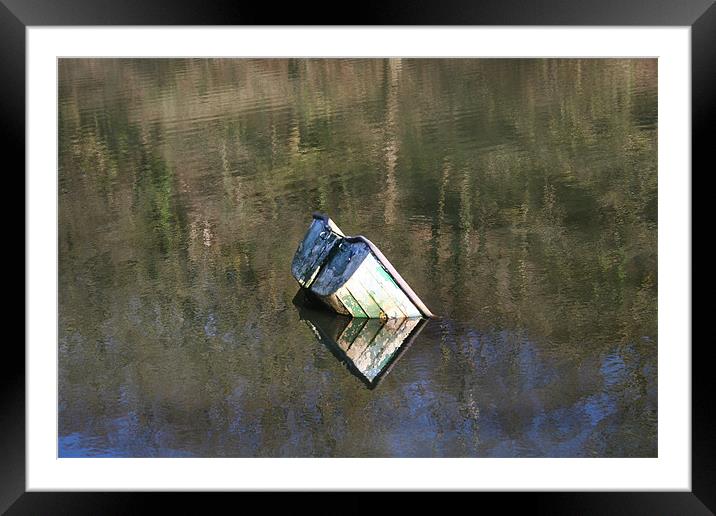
<point>332,257</point>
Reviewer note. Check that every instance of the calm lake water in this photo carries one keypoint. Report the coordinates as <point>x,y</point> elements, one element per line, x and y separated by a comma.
<point>517,197</point>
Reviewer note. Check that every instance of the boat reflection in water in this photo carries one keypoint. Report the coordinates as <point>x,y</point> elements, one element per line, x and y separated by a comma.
<point>369,347</point>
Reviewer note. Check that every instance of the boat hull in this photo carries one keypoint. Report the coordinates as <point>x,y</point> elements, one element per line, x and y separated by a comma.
<point>351,276</point>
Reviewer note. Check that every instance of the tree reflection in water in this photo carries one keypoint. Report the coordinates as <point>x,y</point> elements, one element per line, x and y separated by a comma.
<point>517,197</point>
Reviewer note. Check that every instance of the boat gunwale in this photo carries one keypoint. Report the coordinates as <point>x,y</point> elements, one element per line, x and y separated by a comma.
<point>385,263</point>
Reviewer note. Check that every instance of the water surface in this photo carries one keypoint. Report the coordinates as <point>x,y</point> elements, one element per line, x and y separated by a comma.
<point>517,197</point>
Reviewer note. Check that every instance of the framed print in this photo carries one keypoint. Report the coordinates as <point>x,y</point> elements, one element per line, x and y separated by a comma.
<point>447,251</point>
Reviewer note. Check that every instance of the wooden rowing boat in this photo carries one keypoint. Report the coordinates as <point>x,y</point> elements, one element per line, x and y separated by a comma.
<point>369,347</point>
<point>351,276</point>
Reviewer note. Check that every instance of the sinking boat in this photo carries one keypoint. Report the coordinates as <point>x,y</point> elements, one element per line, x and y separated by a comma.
<point>351,276</point>
<point>369,347</point>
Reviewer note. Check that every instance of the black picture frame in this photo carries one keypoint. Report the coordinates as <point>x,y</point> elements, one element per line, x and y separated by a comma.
<point>17,15</point>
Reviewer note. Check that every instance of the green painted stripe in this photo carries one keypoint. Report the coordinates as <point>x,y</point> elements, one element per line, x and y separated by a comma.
<point>385,280</point>
<point>381,297</point>
<point>347,299</point>
<point>364,299</point>
<point>401,298</point>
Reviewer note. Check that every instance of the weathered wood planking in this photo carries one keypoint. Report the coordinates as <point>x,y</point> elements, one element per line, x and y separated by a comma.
<point>319,254</point>
<point>351,276</point>
<point>393,292</point>
<point>386,306</point>
<point>302,256</point>
<point>312,252</point>
<point>348,302</point>
<point>363,298</point>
